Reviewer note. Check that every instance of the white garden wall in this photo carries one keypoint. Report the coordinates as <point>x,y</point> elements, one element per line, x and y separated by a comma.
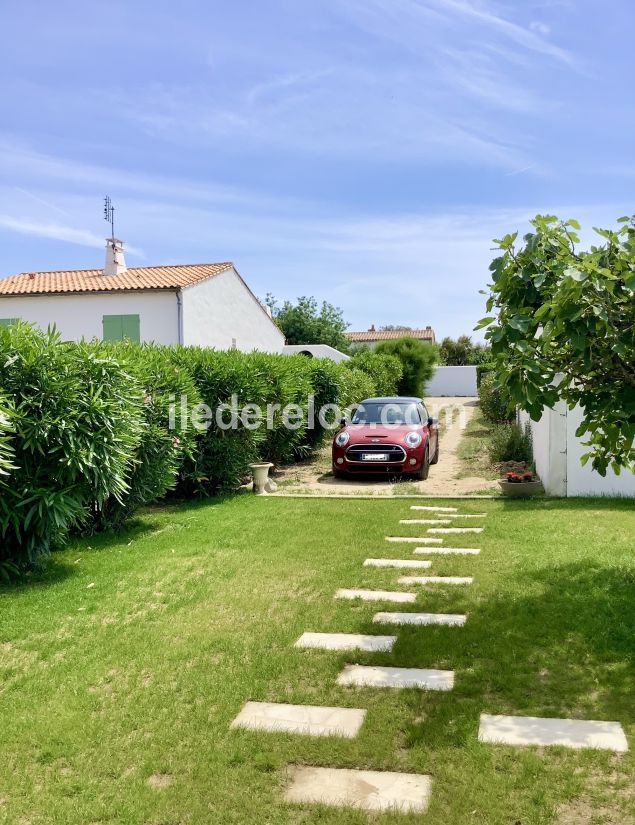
<point>459,381</point>
<point>557,453</point>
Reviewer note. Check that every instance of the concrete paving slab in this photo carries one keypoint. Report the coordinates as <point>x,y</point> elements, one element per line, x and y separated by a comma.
<point>455,530</point>
<point>570,733</point>
<point>345,641</point>
<point>412,563</point>
<point>425,521</point>
<point>375,595</point>
<point>449,619</point>
<point>415,539</point>
<point>309,720</point>
<point>396,677</point>
<point>435,580</point>
<point>440,551</point>
<point>365,790</point>
<point>434,509</point>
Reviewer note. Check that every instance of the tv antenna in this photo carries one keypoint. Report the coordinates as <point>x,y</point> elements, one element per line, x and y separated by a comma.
<point>109,215</point>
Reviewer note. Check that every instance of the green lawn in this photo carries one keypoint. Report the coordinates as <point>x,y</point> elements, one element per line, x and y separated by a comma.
<point>122,668</point>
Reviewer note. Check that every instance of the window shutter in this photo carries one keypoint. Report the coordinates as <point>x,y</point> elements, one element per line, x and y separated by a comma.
<point>112,328</point>
<point>130,327</point>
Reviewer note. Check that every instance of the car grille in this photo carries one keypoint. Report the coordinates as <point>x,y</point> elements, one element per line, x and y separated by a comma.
<point>395,453</point>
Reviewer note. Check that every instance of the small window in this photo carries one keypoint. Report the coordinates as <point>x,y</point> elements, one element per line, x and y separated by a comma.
<point>7,322</point>
<point>121,327</point>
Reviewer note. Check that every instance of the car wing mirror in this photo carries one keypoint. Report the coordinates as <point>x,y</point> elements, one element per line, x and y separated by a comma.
<point>343,422</point>
<point>432,421</point>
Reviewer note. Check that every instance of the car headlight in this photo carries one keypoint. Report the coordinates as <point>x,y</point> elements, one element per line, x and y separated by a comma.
<point>413,439</point>
<point>341,439</point>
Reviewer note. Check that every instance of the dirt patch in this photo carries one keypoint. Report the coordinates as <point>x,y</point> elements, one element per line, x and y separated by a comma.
<point>160,780</point>
<point>454,415</point>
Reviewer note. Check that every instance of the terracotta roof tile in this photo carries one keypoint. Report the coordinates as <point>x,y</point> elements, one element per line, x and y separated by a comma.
<point>93,280</point>
<point>391,334</point>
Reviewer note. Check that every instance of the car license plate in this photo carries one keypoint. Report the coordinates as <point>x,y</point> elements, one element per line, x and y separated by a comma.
<point>374,456</point>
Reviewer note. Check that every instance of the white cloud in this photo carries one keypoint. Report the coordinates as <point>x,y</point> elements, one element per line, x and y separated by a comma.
<point>540,28</point>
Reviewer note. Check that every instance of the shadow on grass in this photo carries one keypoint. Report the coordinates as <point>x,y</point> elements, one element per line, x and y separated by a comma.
<point>53,569</point>
<point>565,649</point>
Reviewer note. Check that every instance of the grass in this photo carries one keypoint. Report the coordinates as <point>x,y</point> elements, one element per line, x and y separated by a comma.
<point>122,667</point>
<point>473,450</point>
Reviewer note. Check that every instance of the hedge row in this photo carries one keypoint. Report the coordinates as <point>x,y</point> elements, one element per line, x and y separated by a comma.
<point>88,431</point>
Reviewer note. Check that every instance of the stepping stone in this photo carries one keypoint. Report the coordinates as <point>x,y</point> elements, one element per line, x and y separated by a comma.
<point>463,551</point>
<point>310,720</point>
<point>396,677</point>
<point>397,563</point>
<point>417,539</point>
<point>424,521</point>
<point>375,595</point>
<point>450,619</point>
<point>435,580</point>
<point>434,509</point>
<point>570,733</point>
<point>467,515</point>
<point>364,790</point>
<point>455,530</point>
<point>345,641</point>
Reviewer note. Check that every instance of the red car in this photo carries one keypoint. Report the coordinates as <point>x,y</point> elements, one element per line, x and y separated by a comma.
<point>394,436</point>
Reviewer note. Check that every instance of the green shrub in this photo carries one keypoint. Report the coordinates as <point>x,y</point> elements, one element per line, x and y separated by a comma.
<point>511,443</point>
<point>357,385</point>
<point>482,370</point>
<point>222,456</point>
<point>77,421</point>
<point>165,441</point>
<point>417,360</point>
<point>328,380</point>
<point>386,371</point>
<point>495,404</point>
<point>6,433</point>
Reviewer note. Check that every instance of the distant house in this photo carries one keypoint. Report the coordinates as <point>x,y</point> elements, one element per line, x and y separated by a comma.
<point>195,304</point>
<point>371,337</point>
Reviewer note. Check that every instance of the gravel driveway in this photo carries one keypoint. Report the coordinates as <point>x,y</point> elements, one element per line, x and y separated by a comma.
<point>453,414</point>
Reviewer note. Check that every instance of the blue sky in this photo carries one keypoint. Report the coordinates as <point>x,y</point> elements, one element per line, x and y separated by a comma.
<point>364,151</point>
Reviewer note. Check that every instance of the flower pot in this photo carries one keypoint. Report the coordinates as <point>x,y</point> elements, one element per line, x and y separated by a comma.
<point>261,477</point>
<point>519,489</point>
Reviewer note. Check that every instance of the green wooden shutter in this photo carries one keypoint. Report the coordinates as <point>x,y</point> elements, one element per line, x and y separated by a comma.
<point>112,328</point>
<point>6,322</point>
<point>130,327</point>
<point>118,327</point>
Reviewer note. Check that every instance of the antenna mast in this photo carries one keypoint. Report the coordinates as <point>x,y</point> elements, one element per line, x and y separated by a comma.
<point>109,215</point>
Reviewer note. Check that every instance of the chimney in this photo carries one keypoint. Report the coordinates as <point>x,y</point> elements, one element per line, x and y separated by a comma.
<point>371,328</point>
<point>115,261</point>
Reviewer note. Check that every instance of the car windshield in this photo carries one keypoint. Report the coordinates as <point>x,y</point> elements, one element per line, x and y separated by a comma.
<point>387,412</point>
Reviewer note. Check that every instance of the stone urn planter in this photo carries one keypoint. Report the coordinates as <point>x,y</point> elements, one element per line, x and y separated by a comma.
<point>262,485</point>
<point>519,489</point>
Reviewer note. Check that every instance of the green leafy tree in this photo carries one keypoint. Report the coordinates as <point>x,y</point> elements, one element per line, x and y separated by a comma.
<point>462,351</point>
<point>564,328</point>
<point>417,360</point>
<point>307,322</point>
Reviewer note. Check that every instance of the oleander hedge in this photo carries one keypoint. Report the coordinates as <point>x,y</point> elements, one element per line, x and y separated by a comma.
<point>90,432</point>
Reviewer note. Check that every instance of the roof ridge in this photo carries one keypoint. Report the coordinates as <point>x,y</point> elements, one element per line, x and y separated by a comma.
<point>100,269</point>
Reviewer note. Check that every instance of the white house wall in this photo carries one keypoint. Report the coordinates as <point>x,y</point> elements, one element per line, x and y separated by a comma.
<point>80,316</point>
<point>222,313</point>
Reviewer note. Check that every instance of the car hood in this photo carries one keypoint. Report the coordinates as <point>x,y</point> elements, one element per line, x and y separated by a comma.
<point>379,434</point>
